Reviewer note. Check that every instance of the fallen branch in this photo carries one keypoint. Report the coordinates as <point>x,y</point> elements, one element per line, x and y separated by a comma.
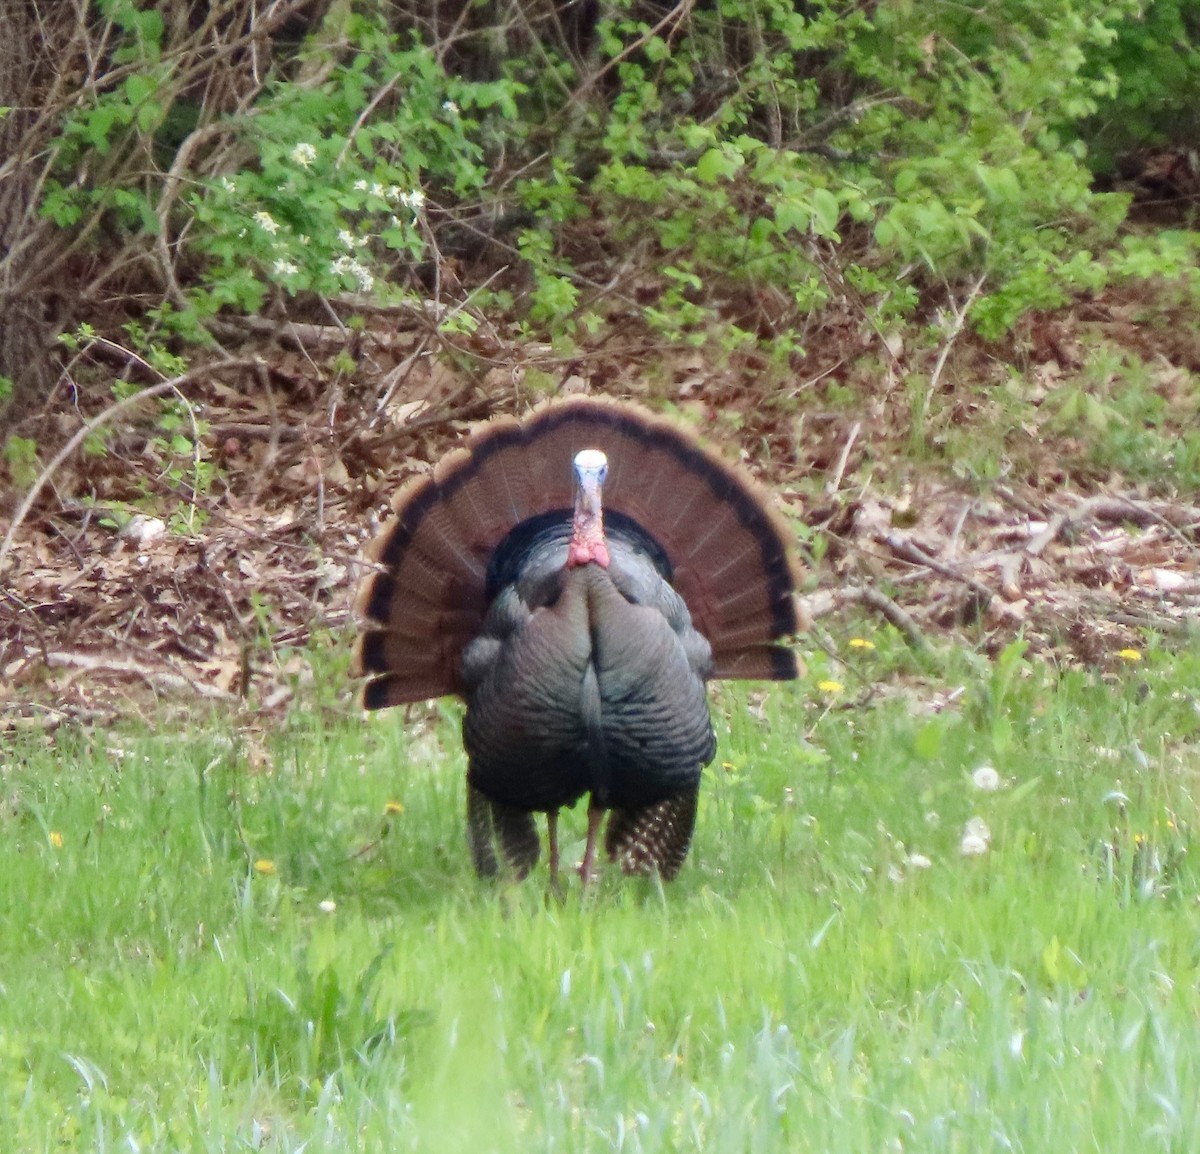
<point>1182,520</point>
<point>154,677</point>
<point>907,550</point>
<point>894,615</point>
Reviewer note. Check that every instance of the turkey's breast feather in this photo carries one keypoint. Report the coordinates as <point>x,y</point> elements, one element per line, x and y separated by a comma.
<point>586,681</point>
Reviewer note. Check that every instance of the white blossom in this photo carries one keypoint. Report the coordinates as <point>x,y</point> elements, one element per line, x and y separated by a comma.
<point>303,154</point>
<point>347,264</point>
<point>414,200</point>
<point>919,861</point>
<point>450,107</point>
<point>285,268</point>
<point>377,189</point>
<point>347,238</point>
<point>360,186</point>
<point>327,906</point>
<point>228,184</point>
<point>266,222</point>
<point>976,838</point>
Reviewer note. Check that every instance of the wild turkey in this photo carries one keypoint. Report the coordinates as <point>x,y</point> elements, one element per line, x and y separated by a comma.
<point>581,642</point>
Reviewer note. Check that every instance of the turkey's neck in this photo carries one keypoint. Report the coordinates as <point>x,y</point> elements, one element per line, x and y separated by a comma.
<point>587,538</point>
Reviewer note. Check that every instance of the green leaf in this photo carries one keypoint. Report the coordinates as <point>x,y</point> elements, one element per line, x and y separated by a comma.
<point>825,212</point>
<point>791,214</point>
<point>149,116</point>
<point>139,87</point>
<point>716,165</point>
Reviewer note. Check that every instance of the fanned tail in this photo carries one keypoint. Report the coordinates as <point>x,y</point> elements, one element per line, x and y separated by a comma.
<point>728,549</point>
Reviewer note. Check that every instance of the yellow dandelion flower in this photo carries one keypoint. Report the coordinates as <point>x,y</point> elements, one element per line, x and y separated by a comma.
<point>861,643</point>
<point>394,808</point>
<point>1130,655</point>
<point>830,686</point>
<point>56,839</point>
<point>264,865</point>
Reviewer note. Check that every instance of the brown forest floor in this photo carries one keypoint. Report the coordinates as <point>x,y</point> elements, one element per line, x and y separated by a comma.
<point>104,609</point>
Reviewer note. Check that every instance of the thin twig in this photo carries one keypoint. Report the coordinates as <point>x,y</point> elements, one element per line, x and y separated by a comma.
<point>958,314</point>
<point>908,550</point>
<point>832,485</point>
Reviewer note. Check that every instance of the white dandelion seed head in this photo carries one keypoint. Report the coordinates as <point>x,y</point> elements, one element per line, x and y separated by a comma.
<point>976,838</point>
<point>986,778</point>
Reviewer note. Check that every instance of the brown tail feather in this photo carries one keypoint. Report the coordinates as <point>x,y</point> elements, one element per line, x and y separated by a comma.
<point>733,563</point>
<point>654,838</point>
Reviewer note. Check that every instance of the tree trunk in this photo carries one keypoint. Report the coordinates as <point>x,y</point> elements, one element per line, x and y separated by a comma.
<point>25,334</point>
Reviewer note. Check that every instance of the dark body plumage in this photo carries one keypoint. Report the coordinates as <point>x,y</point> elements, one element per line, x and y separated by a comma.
<point>580,678</point>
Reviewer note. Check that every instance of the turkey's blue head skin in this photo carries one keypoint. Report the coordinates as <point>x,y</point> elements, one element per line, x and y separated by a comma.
<point>591,471</point>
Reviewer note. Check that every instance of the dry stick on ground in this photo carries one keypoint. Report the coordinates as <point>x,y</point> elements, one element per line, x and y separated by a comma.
<point>171,386</point>
<point>822,602</point>
<point>894,614</point>
<point>155,678</point>
<point>907,550</point>
<point>1179,519</point>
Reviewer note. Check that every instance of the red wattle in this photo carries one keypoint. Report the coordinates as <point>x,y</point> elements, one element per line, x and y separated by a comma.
<point>583,552</point>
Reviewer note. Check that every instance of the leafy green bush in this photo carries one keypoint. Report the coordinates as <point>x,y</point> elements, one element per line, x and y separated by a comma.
<point>1155,56</point>
<point>746,151</point>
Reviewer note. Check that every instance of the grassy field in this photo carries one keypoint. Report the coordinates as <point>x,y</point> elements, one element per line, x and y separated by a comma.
<point>206,945</point>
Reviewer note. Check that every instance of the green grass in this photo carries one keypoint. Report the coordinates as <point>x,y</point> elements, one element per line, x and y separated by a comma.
<point>803,985</point>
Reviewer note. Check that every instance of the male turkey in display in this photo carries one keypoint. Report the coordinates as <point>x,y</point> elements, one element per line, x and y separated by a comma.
<point>581,639</point>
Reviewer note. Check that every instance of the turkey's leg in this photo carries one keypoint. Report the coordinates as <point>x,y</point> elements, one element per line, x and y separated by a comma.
<point>552,837</point>
<point>587,866</point>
